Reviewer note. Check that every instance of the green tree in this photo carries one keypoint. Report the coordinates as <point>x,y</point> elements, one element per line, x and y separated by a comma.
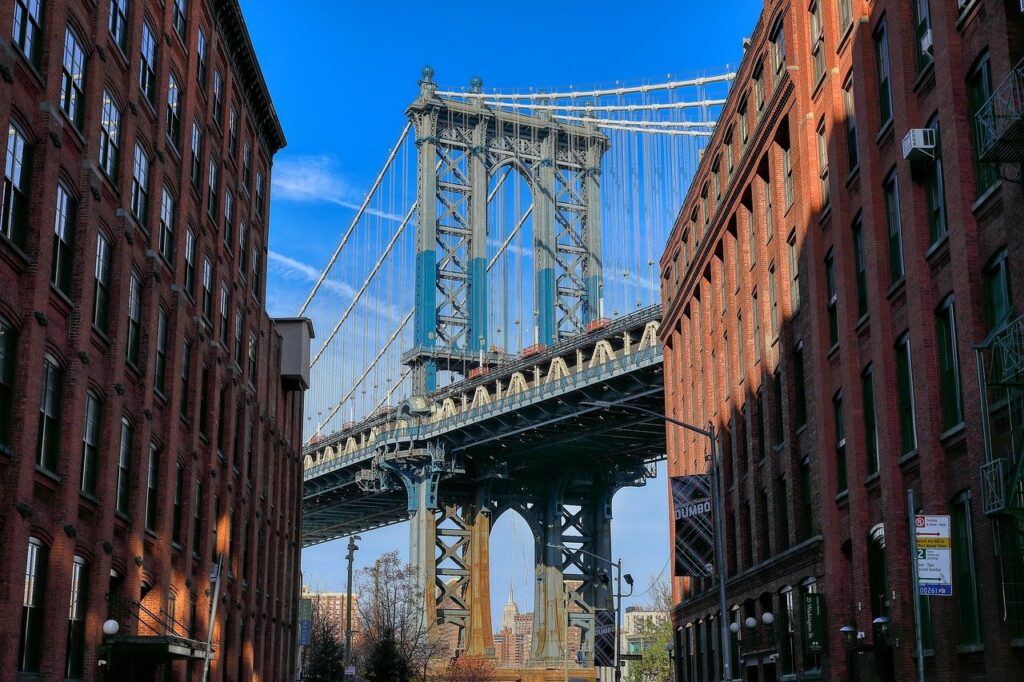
<point>654,633</point>
<point>383,661</point>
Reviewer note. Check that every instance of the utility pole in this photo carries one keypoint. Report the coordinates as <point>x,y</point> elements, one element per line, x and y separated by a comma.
<point>352,547</point>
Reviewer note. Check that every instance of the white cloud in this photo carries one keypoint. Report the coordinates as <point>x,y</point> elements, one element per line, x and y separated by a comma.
<point>316,179</point>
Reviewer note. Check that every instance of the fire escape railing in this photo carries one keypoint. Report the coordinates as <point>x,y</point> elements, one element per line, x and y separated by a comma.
<point>999,124</point>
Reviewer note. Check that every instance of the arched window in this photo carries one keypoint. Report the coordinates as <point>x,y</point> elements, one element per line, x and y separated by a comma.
<point>30,641</point>
<point>48,436</point>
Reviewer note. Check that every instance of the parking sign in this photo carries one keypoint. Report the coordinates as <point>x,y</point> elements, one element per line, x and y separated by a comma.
<point>934,555</point>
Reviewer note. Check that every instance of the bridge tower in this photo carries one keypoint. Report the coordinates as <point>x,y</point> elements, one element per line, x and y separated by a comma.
<point>461,145</point>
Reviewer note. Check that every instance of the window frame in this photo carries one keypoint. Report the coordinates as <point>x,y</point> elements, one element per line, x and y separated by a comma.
<point>92,415</point>
<point>63,253</point>
<point>72,88</point>
<point>110,136</point>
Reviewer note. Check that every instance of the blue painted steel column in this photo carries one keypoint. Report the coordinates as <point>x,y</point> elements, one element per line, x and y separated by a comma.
<point>593,269</point>
<point>477,269</point>
<point>425,311</point>
<point>544,241</point>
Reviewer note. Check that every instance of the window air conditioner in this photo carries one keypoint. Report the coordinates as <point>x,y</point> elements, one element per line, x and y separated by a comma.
<point>919,144</point>
<point>960,4</point>
<point>926,41</point>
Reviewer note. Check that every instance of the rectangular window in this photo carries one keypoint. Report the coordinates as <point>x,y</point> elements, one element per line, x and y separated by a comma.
<point>845,15</point>
<point>794,272</point>
<point>225,306</point>
<point>134,320</point>
<point>817,41</point>
<point>218,97</point>
<point>799,387</point>
<point>787,174</point>
<point>190,262</point>
<point>63,241</point>
<point>211,183</point>
<point>823,166</point>
<point>201,59</point>
<point>755,316</point>
<point>179,14</point>
<point>806,501</point>
<point>110,135</point>
<point>769,208</point>
<point>140,185</point>
<point>965,581</point>
<point>895,225</point>
<point>773,301</point>
<point>882,73</point>
<point>48,438</point>
<point>8,349</point>
<point>832,299</point>
<point>998,299</point>
<point>27,31</point>
<point>173,111</point>
<point>179,492</point>
<point>255,262</point>
<point>905,395</point>
<point>166,237</point>
<point>740,342</point>
<point>118,23</point>
<point>860,267</point>
<point>160,366</point>
<point>779,46</point>
<point>744,124</point>
<point>935,190</point>
<point>90,443</point>
<point>867,383</point>
<point>213,528</point>
<point>31,640</point>
<point>850,114</point>
<point>151,487</point>
<point>74,656</point>
<point>751,238</point>
<point>252,358</point>
<point>259,195</point>
<point>979,89</point>
<point>246,166</point>
<point>124,459</point>
<point>204,396</point>
<point>147,65</point>
<point>207,289</point>
<point>233,132</point>
<point>229,219</point>
<point>923,32</point>
<point>72,81</point>
<point>780,431</point>
<point>837,413</point>
<point>197,517</point>
<point>243,248</point>
<point>949,365</point>
<point>197,155</point>
<point>15,197</point>
<point>186,370</point>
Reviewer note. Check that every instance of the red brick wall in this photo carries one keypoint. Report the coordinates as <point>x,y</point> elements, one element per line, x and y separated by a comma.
<point>263,495</point>
<point>943,464</point>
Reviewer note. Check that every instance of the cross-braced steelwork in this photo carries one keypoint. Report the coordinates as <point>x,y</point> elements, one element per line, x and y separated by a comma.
<point>509,344</point>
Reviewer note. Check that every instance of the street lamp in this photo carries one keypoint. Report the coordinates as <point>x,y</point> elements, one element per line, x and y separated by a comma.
<point>352,547</point>
<point>716,503</point>
<point>619,577</point>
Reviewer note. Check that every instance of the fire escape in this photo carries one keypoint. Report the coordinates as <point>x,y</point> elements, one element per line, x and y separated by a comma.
<point>1000,134</point>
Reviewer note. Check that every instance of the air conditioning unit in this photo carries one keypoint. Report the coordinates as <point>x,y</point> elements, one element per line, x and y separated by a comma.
<point>960,4</point>
<point>926,41</point>
<point>919,144</point>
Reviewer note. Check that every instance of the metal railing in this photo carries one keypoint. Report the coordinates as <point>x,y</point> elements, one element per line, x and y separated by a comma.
<point>999,124</point>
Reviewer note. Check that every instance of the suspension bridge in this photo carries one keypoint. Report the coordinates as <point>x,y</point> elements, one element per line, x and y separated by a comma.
<point>499,276</point>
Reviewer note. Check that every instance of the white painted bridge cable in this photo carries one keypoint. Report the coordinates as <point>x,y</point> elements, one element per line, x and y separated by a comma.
<point>573,94</point>
<point>633,121</point>
<point>355,220</point>
<point>366,372</point>
<point>606,107</point>
<point>365,286</point>
<point>387,396</point>
<point>659,131</point>
<point>508,240</point>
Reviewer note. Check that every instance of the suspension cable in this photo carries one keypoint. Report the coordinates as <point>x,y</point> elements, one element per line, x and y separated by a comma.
<point>355,220</point>
<point>670,85</point>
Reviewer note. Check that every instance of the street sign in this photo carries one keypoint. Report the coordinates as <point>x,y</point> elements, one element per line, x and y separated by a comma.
<point>350,671</point>
<point>934,555</point>
<point>630,657</point>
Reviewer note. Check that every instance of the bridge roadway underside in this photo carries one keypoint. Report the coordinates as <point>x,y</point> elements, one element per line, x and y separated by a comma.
<point>518,452</point>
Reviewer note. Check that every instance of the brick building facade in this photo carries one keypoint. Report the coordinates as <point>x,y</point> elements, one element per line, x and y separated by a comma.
<point>824,291</point>
<point>150,411</point>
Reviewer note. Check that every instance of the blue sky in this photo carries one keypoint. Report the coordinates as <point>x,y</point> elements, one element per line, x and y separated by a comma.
<point>341,74</point>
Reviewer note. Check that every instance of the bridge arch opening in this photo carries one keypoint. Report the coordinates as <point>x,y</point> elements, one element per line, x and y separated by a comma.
<point>510,258</point>
<point>512,557</point>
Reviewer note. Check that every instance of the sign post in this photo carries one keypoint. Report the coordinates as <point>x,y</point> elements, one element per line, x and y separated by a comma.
<point>919,640</point>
